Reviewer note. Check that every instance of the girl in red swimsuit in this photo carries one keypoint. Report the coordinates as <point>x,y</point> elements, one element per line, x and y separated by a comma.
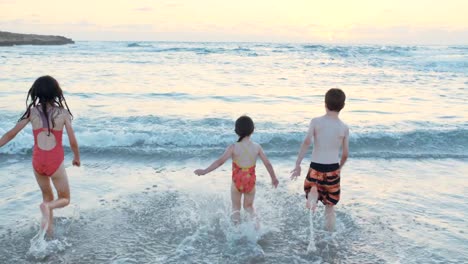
<point>244,154</point>
<point>48,113</point>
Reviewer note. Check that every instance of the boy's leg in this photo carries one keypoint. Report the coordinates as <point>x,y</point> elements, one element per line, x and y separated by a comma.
<point>236,204</point>
<point>330,218</point>
<point>312,198</point>
<point>47,196</point>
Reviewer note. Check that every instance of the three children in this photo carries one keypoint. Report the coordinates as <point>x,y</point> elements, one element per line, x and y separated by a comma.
<point>48,113</point>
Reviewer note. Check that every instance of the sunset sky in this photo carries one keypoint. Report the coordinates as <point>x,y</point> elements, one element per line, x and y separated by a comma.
<point>333,21</point>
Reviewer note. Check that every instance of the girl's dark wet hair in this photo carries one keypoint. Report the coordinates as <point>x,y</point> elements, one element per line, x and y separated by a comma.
<point>45,90</point>
<point>244,127</point>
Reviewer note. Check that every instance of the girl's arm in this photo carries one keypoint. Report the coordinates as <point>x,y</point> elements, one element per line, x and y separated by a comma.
<point>73,142</point>
<point>13,132</point>
<point>269,167</point>
<point>345,149</point>
<point>302,151</point>
<point>220,161</point>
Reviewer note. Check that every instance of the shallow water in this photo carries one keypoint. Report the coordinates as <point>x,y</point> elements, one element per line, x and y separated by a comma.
<point>148,114</point>
<point>173,216</point>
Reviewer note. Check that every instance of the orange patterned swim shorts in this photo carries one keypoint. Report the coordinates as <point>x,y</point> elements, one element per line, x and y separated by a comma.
<point>327,183</point>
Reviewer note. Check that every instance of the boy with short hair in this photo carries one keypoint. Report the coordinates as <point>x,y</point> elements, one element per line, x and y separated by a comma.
<point>329,134</point>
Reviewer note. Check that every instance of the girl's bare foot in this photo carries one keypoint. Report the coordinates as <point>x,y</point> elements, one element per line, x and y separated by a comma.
<point>45,216</point>
<point>50,229</point>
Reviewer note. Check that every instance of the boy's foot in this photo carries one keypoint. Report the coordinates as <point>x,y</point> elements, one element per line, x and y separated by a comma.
<point>45,211</point>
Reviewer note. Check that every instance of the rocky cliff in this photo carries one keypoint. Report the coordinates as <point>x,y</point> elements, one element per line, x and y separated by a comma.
<point>11,39</point>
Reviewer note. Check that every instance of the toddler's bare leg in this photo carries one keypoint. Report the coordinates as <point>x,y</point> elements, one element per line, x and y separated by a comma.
<point>248,206</point>
<point>236,204</point>
<point>330,218</point>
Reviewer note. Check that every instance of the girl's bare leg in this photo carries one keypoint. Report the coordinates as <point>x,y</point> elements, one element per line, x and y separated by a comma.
<point>60,181</point>
<point>330,218</point>
<point>47,196</point>
<point>236,204</point>
<point>312,199</point>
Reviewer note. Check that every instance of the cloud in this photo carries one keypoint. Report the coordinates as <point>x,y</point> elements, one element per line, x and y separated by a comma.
<point>405,34</point>
<point>172,3</point>
<point>133,27</point>
<point>144,9</point>
<point>351,34</point>
<point>36,23</point>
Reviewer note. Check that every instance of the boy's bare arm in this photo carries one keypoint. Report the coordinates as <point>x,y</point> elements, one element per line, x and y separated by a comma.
<point>13,132</point>
<point>269,167</point>
<point>345,149</point>
<point>220,161</point>
<point>302,151</point>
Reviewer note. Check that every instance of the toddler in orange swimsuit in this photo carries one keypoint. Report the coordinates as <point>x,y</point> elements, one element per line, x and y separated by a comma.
<point>244,155</point>
<point>48,113</point>
<point>328,134</point>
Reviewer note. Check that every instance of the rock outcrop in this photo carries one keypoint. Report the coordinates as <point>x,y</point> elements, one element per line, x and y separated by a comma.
<point>11,39</point>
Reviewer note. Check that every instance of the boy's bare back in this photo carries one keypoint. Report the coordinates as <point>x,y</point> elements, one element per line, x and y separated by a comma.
<point>328,134</point>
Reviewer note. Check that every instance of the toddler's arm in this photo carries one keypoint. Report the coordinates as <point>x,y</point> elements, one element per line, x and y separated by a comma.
<point>220,161</point>
<point>302,151</point>
<point>268,166</point>
<point>13,132</point>
<point>345,149</point>
<point>73,142</point>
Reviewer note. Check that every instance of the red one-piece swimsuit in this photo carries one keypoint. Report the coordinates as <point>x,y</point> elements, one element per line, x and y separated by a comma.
<point>47,162</point>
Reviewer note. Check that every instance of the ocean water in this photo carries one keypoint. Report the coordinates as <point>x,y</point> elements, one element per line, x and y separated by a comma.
<point>146,114</point>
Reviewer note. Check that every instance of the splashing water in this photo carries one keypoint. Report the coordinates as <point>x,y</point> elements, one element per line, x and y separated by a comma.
<point>182,219</point>
<point>41,248</point>
<point>74,217</point>
<point>311,247</point>
<point>38,244</point>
